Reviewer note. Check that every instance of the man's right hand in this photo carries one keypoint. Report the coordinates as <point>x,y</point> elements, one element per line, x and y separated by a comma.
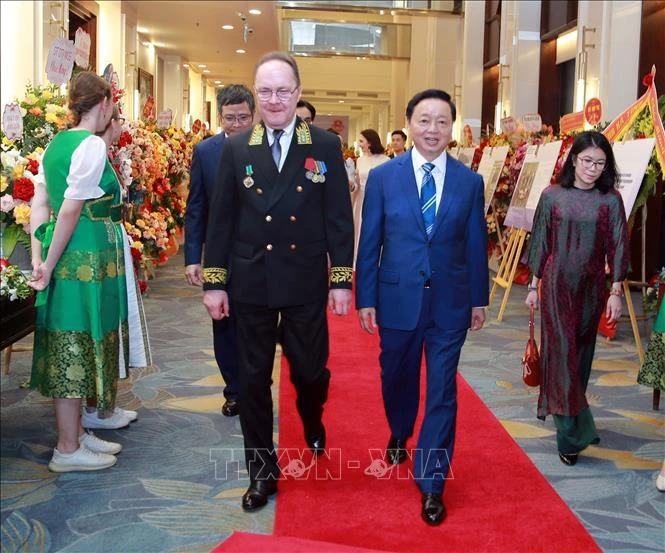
<point>367,316</point>
<point>194,274</point>
<point>217,303</point>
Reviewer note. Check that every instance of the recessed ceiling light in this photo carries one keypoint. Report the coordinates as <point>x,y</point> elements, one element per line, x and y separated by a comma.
<point>227,27</point>
<point>240,51</point>
<point>202,65</point>
<point>206,70</point>
<point>333,48</point>
<point>218,82</point>
<point>338,53</point>
<point>141,30</point>
<point>185,65</point>
<point>341,101</point>
<point>254,11</point>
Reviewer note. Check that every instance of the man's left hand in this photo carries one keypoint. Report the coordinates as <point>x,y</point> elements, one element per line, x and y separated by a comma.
<point>477,318</point>
<point>339,301</point>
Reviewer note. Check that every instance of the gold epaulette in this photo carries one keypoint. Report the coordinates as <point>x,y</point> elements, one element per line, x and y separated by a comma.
<point>215,275</point>
<point>303,134</point>
<point>340,275</point>
<point>256,138</point>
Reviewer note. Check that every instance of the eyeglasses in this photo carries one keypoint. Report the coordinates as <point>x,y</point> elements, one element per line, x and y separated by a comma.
<point>240,119</point>
<point>588,163</point>
<point>283,94</point>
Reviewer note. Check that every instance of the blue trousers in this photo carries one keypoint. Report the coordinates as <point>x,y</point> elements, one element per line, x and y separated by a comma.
<point>400,359</point>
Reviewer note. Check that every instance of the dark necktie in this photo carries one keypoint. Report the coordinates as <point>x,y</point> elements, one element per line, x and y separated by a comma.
<point>428,198</point>
<point>276,147</point>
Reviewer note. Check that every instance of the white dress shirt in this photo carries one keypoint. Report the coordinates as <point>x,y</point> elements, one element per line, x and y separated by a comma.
<point>439,172</point>
<point>284,140</point>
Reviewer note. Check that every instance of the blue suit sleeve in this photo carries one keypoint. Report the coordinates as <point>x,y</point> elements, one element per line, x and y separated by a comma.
<point>476,247</point>
<point>195,212</point>
<point>370,244</point>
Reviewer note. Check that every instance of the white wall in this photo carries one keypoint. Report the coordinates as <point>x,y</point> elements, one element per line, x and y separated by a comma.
<point>19,68</point>
<point>471,99</point>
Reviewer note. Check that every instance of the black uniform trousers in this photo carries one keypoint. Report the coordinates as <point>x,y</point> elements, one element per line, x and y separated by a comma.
<point>305,345</point>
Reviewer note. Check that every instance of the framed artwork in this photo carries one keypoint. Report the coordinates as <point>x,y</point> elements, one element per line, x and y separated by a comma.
<point>145,86</point>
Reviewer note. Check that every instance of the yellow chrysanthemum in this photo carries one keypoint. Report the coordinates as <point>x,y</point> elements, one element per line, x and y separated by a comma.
<point>3,183</point>
<point>51,118</point>
<point>18,171</point>
<point>137,245</point>
<point>22,214</point>
<point>47,94</point>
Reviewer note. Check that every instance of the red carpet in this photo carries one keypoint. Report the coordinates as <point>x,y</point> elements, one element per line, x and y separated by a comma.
<point>496,501</point>
<point>260,543</point>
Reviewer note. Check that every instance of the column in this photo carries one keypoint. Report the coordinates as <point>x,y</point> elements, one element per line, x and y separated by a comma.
<point>523,73</point>
<point>173,86</point>
<point>470,105</point>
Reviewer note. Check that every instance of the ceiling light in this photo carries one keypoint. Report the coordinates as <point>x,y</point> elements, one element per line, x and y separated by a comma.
<point>218,82</point>
<point>185,65</point>
<point>254,11</point>
<point>338,53</point>
<point>381,12</point>
<point>340,101</point>
<point>202,65</point>
<point>332,48</point>
<point>240,51</point>
<point>141,30</point>
<point>206,70</point>
<point>227,27</point>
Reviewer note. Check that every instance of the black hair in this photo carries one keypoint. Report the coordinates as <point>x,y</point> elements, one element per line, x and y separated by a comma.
<point>400,132</point>
<point>425,95</point>
<point>305,104</point>
<point>235,94</point>
<point>590,139</point>
<point>374,141</point>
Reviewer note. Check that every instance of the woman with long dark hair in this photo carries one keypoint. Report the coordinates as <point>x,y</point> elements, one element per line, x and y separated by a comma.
<point>373,154</point>
<point>579,224</point>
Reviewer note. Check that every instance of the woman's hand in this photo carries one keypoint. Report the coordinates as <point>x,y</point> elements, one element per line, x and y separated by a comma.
<point>41,277</point>
<point>613,309</point>
<point>532,299</point>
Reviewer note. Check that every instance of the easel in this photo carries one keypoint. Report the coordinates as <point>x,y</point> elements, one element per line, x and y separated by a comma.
<point>509,262</point>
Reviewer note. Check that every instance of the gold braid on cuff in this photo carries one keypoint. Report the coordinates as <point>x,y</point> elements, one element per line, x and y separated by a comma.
<point>341,275</point>
<point>215,275</point>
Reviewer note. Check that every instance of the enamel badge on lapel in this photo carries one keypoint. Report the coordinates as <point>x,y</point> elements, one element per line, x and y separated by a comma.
<point>315,170</point>
<point>249,181</point>
<point>256,138</point>
<point>303,136</point>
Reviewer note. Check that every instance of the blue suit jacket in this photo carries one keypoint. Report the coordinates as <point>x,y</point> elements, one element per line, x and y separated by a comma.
<point>395,256</point>
<point>205,165</point>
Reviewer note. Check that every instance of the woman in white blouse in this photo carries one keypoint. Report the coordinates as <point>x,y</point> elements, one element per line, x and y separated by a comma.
<point>372,155</point>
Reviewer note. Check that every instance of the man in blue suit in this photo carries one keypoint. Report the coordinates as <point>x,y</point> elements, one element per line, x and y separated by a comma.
<point>422,277</point>
<point>235,106</point>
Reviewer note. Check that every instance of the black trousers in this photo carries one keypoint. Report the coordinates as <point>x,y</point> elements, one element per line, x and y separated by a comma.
<point>305,345</point>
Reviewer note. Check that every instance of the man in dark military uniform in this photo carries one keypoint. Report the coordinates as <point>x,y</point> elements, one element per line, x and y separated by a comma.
<point>280,211</point>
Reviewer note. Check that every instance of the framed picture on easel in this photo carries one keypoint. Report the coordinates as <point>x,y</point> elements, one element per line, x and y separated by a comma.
<point>145,87</point>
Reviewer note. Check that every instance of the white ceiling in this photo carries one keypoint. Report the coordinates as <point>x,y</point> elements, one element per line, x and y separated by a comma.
<point>193,30</point>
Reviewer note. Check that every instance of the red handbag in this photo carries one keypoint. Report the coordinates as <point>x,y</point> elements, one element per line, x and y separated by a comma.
<point>531,357</point>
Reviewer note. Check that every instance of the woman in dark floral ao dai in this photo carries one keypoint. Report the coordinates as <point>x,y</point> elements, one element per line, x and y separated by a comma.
<point>580,223</point>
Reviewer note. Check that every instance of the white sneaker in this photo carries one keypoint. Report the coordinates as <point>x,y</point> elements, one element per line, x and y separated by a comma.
<point>81,459</point>
<point>93,420</point>
<point>97,445</point>
<point>660,483</point>
<point>131,415</point>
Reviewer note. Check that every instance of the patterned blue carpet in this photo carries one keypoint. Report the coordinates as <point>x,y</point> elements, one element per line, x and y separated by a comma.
<point>172,492</point>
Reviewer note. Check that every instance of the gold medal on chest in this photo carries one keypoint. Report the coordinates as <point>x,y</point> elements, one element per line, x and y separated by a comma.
<point>248,180</point>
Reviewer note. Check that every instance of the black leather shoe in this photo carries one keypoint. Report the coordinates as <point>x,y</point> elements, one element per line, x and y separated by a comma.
<point>230,408</point>
<point>395,451</point>
<point>317,442</point>
<point>568,458</point>
<point>434,511</point>
<point>257,494</point>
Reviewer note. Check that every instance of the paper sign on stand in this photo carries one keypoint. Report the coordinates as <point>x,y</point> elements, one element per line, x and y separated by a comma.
<point>82,48</point>
<point>164,119</point>
<point>490,167</point>
<point>535,176</point>
<point>532,122</point>
<point>632,158</point>
<point>60,61</point>
<point>465,155</point>
<point>12,122</point>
